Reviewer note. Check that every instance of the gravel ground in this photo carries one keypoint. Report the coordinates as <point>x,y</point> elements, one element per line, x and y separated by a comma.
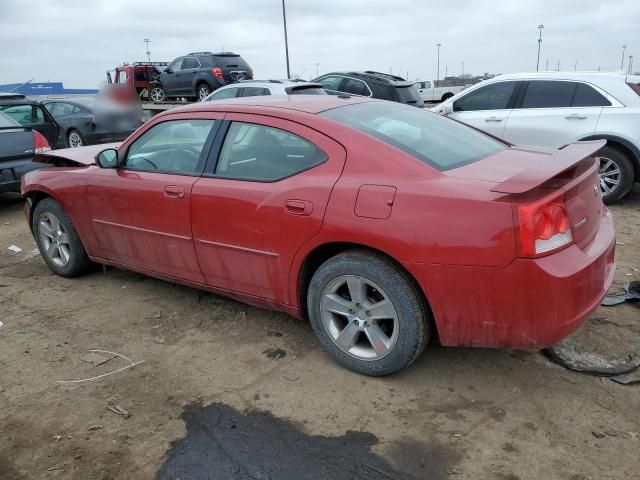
<point>219,376</point>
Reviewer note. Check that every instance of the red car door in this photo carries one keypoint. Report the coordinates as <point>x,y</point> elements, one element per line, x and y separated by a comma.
<point>141,210</point>
<point>264,198</point>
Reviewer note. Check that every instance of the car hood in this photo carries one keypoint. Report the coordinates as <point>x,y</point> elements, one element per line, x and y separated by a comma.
<point>75,157</point>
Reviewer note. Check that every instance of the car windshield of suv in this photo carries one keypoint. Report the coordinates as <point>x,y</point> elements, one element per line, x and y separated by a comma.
<point>438,141</point>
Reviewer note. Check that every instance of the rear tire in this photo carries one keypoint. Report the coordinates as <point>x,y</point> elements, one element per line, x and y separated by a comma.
<point>202,90</point>
<point>367,313</point>
<point>446,96</point>
<point>58,240</point>
<point>74,139</point>
<point>616,174</point>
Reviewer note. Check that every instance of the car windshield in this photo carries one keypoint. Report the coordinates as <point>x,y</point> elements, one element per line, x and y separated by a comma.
<point>438,141</point>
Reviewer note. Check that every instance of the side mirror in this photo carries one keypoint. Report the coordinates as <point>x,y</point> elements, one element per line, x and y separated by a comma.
<point>168,70</point>
<point>447,109</point>
<point>107,158</point>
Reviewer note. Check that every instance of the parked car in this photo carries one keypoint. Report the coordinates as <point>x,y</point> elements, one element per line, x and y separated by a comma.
<point>371,84</point>
<point>370,218</point>
<point>88,121</point>
<point>552,109</point>
<point>430,93</point>
<point>198,74</point>
<point>253,88</point>
<point>18,145</point>
<point>29,113</point>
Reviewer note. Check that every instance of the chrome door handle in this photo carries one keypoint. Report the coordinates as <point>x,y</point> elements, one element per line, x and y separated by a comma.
<point>493,119</point>
<point>576,117</point>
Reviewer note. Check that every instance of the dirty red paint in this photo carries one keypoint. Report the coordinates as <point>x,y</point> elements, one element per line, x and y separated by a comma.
<point>451,232</point>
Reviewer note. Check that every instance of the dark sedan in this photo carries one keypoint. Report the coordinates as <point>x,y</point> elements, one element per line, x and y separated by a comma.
<point>89,121</point>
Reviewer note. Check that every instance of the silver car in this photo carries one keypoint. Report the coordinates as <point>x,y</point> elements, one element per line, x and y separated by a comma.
<point>253,88</point>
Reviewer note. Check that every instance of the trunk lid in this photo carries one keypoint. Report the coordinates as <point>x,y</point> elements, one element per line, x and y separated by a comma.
<point>523,176</point>
<point>16,143</point>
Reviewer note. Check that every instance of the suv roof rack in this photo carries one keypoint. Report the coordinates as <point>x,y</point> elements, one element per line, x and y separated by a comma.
<point>388,76</point>
<point>136,64</point>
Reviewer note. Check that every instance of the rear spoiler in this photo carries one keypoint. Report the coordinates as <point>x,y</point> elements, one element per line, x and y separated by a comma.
<point>556,163</point>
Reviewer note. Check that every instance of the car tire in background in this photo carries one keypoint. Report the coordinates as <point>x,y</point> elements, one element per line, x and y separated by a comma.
<point>367,313</point>
<point>616,174</point>
<point>74,139</point>
<point>446,96</point>
<point>157,93</point>
<point>58,240</point>
<point>203,90</point>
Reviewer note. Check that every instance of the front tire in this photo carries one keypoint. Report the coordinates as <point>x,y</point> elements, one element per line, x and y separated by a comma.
<point>616,174</point>
<point>58,240</point>
<point>446,96</point>
<point>157,93</point>
<point>367,313</point>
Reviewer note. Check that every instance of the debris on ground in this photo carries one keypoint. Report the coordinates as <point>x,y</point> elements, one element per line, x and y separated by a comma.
<point>630,293</point>
<point>14,249</point>
<point>118,410</point>
<point>131,364</point>
<point>573,357</point>
<point>96,359</point>
<point>628,378</point>
<point>155,315</point>
<point>95,427</point>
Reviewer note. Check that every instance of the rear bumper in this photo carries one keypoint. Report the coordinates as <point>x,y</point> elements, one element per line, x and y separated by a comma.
<point>12,172</point>
<point>531,303</point>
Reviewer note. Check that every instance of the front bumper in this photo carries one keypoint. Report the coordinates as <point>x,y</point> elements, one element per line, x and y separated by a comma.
<point>531,303</point>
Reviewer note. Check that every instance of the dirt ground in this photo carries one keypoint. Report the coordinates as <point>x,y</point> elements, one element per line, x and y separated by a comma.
<point>213,368</point>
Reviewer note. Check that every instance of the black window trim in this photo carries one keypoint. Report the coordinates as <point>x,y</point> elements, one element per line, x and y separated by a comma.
<point>515,95</point>
<point>204,153</point>
<point>520,99</point>
<point>214,154</point>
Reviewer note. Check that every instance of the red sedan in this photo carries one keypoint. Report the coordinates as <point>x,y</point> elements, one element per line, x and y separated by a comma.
<point>383,224</point>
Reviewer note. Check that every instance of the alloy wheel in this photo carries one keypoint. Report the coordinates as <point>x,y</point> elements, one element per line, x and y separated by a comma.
<point>54,239</point>
<point>157,94</point>
<point>359,317</point>
<point>75,140</point>
<point>203,91</point>
<point>609,174</point>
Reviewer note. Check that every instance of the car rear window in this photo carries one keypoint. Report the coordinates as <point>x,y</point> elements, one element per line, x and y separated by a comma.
<point>306,90</point>
<point>225,61</point>
<point>438,141</point>
<point>408,94</point>
<point>6,121</point>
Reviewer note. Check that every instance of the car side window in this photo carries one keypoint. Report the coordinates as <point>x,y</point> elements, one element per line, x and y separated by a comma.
<point>122,76</point>
<point>587,96</point>
<point>176,64</point>
<point>25,114</point>
<point>254,92</point>
<point>356,87</point>
<point>330,82</point>
<point>62,108</point>
<point>174,146</point>
<point>426,84</point>
<point>490,97</point>
<point>548,94</point>
<point>190,62</point>
<point>259,153</point>
<point>223,93</point>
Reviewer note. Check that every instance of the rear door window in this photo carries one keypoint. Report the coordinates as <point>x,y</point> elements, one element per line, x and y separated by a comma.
<point>25,114</point>
<point>355,87</point>
<point>548,94</point>
<point>490,97</point>
<point>254,92</point>
<point>190,62</point>
<point>176,64</point>
<point>587,96</point>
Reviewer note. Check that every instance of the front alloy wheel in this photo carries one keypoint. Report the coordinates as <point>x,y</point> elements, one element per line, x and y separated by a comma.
<point>156,93</point>
<point>54,239</point>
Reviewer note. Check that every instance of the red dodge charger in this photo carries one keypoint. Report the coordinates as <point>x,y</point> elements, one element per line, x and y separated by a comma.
<point>383,224</point>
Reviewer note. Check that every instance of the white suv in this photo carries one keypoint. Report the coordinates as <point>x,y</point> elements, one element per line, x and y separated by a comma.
<point>254,88</point>
<point>552,109</point>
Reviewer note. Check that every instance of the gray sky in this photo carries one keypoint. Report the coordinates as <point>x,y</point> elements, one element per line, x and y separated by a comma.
<point>76,41</point>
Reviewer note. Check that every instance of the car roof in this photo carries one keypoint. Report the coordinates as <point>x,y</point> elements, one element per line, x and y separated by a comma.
<point>312,104</point>
<point>376,77</point>
<point>283,83</point>
<point>11,96</point>
<point>18,101</point>
<point>586,76</point>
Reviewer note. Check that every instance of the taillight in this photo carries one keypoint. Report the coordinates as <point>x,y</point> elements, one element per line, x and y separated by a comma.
<point>543,227</point>
<point>217,72</point>
<point>40,143</point>
<point>635,87</point>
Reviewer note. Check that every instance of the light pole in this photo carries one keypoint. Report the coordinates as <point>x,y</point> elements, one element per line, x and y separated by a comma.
<point>317,65</point>
<point>624,47</point>
<point>630,64</point>
<point>286,41</point>
<point>148,52</point>
<point>540,27</point>
<point>438,68</point>
<point>575,65</point>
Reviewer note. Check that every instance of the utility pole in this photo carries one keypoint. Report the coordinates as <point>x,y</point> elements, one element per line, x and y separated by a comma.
<point>575,66</point>
<point>148,52</point>
<point>446,71</point>
<point>547,69</point>
<point>624,47</point>
<point>317,65</point>
<point>286,40</point>
<point>540,27</point>
<point>630,64</point>
<point>558,66</point>
<point>462,74</point>
<point>438,68</point>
